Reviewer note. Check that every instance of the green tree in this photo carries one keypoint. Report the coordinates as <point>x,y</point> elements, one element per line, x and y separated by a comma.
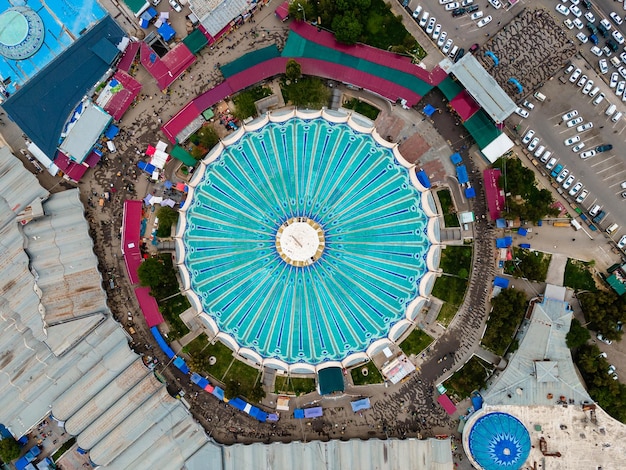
<point>152,273</point>
<point>167,217</point>
<point>603,311</point>
<point>301,9</point>
<point>508,311</point>
<point>293,71</point>
<point>9,449</point>
<point>207,137</point>
<point>232,388</point>
<point>577,335</point>
<point>347,28</point>
<point>257,393</point>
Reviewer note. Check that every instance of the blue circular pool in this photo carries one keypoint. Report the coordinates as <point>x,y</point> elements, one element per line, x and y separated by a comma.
<point>304,240</point>
<point>499,441</point>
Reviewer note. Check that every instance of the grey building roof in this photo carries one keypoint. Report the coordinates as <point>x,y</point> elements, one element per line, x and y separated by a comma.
<point>483,88</point>
<point>541,370</point>
<point>85,132</point>
<point>216,14</point>
<point>62,354</point>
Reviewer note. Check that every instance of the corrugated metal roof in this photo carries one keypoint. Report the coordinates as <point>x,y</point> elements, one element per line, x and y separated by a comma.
<point>19,187</point>
<point>118,359</point>
<point>527,380</point>
<point>85,132</point>
<point>67,268</point>
<point>216,14</point>
<point>483,88</point>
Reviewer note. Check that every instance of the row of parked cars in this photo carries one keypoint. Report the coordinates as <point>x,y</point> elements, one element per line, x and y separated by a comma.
<point>588,88</point>
<point>434,29</point>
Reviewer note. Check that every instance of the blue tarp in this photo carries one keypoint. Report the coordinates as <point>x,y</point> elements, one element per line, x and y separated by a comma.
<point>179,363</point>
<point>501,223</point>
<point>219,393</point>
<point>429,110</point>
<point>422,177</point>
<point>258,414</point>
<point>147,167</point>
<point>314,412</point>
<point>461,174</point>
<point>501,282</point>
<point>167,184</point>
<point>148,14</point>
<point>504,242</point>
<point>456,158</point>
<point>203,383</point>
<point>525,245</point>
<point>161,342</point>
<point>195,378</point>
<point>111,132</point>
<point>298,413</point>
<point>470,193</point>
<point>237,403</point>
<point>477,402</point>
<point>166,32</point>
<point>362,404</point>
<point>522,232</point>
<point>144,23</point>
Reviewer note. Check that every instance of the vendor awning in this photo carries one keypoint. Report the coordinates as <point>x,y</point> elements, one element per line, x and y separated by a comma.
<point>447,404</point>
<point>315,412</point>
<point>181,154</point>
<point>362,404</point>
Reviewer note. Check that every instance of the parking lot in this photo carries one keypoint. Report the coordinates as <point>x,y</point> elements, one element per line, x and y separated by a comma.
<point>601,174</point>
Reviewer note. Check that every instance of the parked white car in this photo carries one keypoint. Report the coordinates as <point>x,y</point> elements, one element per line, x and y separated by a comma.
<point>577,187</point>
<point>485,21</point>
<point>528,137</point>
<point>582,37</point>
<point>618,37</point>
<point>615,17</point>
<point>582,196</point>
<point>595,50</point>
<point>614,79</point>
<point>604,66</point>
<point>562,176</point>
<point>476,15</point>
<point>562,9</point>
<point>522,112</point>
<point>584,127</point>
<point>578,147</point>
<point>572,140</point>
<point>587,88</point>
<point>575,121</point>
<point>588,154</point>
<point>452,6</point>
<point>496,4</point>
<point>533,144</point>
<point>568,182</point>
<point>572,114</point>
<point>447,46</point>
<point>442,39</point>
<point>575,75</point>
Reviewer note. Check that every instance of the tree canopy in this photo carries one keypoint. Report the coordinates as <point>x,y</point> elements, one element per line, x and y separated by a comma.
<point>167,217</point>
<point>609,393</point>
<point>293,71</point>
<point>9,449</point>
<point>603,310</point>
<point>524,199</point>
<point>577,336</point>
<point>347,28</point>
<point>152,272</point>
<point>508,311</point>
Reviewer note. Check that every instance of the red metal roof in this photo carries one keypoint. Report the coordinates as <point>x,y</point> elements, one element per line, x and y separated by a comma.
<point>122,99</point>
<point>73,170</point>
<point>212,96</point>
<point>389,90</point>
<point>464,105</point>
<point>180,120</point>
<point>129,56</point>
<point>495,196</point>
<point>131,238</point>
<point>447,404</point>
<point>362,51</point>
<point>282,12</point>
<point>149,306</point>
<point>167,69</point>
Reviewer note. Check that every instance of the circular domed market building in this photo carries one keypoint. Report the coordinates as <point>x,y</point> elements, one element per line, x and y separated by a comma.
<point>306,240</point>
<point>22,33</point>
<point>496,441</point>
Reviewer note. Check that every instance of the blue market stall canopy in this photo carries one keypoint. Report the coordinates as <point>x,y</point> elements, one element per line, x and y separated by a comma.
<point>501,282</point>
<point>456,158</point>
<point>112,131</point>
<point>470,193</point>
<point>429,110</point>
<point>504,242</point>
<point>461,174</point>
<point>166,32</point>
<point>362,404</point>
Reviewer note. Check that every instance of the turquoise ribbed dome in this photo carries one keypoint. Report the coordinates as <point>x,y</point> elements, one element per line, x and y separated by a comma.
<point>340,186</point>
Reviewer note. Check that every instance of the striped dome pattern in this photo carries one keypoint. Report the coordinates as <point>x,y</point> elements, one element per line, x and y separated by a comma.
<point>374,230</point>
<point>499,441</point>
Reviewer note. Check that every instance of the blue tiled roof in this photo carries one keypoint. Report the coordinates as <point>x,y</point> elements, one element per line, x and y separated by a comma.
<point>41,107</point>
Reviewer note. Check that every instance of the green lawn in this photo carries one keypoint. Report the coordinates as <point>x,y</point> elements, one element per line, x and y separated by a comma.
<point>578,275</point>
<point>245,100</point>
<point>293,385</point>
<point>171,310</point>
<point>373,375</point>
<point>450,218</point>
<point>472,376</point>
<point>450,289</point>
<point>200,350</point>
<point>447,313</point>
<point>416,342</point>
<point>363,108</point>
<point>244,374</point>
<point>456,260</point>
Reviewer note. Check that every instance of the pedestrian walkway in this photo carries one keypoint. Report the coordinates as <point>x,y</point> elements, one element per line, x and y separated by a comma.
<point>556,270</point>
